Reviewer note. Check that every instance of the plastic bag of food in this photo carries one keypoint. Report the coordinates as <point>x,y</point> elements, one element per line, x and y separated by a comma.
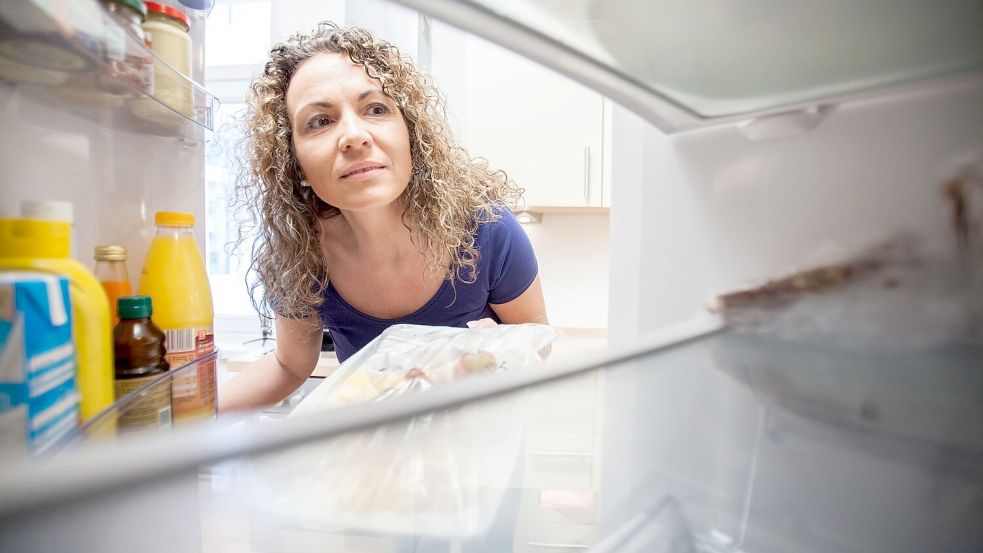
<point>443,474</point>
<point>411,358</point>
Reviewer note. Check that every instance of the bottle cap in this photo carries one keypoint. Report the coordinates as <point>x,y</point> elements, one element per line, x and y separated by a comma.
<point>175,219</point>
<point>110,253</point>
<point>34,238</point>
<point>47,210</point>
<point>169,11</point>
<point>134,307</point>
<point>135,5</point>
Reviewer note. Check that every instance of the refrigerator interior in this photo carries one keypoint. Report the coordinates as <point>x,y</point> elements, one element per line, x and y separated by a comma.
<point>839,410</point>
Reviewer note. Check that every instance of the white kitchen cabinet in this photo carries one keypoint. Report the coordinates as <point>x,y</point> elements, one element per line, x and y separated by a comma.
<point>544,130</point>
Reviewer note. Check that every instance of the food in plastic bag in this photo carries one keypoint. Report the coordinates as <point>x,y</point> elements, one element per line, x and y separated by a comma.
<point>441,474</point>
<point>412,358</point>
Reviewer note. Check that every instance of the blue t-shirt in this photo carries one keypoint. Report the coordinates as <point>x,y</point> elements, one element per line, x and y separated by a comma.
<point>506,268</point>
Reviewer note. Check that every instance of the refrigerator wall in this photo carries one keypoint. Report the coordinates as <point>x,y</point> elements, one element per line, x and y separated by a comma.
<point>719,211</point>
<point>74,143</point>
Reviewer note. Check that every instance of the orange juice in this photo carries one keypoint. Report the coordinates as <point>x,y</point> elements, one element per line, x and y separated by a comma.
<point>114,291</point>
<point>111,272</point>
<point>174,276</point>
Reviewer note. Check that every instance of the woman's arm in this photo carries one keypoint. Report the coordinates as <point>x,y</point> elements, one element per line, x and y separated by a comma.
<point>529,307</point>
<point>275,375</point>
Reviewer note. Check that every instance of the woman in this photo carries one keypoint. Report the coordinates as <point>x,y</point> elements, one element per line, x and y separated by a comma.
<point>369,213</point>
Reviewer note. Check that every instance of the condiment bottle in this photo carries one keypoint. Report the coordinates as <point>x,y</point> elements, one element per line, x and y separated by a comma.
<point>166,30</point>
<point>128,14</point>
<point>111,272</point>
<point>174,276</point>
<point>138,345</point>
<point>123,70</point>
<point>44,245</point>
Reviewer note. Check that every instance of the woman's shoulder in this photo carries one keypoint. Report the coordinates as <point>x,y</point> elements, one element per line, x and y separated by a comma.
<point>495,220</point>
<point>497,213</point>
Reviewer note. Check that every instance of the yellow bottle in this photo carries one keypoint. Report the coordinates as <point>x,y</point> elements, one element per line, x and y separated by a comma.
<point>174,277</point>
<point>44,245</point>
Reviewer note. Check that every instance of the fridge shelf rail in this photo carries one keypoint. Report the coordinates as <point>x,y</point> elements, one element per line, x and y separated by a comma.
<point>72,55</point>
<point>110,423</point>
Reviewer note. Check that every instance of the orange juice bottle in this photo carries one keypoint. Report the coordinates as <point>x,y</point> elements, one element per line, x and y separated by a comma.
<point>111,273</point>
<point>174,276</point>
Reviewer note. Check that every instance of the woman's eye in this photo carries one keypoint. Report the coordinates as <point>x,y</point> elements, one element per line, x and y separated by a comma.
<point>319,122</point>
<point>378,109</point>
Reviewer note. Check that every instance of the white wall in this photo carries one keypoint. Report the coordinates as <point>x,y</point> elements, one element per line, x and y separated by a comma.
<point>707,211</point>
<point>388,21</point>
<point>572,250</point>
<point>288,17</point>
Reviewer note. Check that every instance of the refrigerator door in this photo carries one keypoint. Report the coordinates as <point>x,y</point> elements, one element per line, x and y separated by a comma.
<point>683,65</point>
<point>94,117</point>
<point>696,439</point>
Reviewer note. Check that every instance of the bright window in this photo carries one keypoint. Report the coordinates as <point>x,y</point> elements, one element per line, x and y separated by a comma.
<point>238,33</point>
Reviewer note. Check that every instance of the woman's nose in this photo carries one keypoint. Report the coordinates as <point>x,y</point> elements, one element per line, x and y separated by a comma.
<point>353,135</point>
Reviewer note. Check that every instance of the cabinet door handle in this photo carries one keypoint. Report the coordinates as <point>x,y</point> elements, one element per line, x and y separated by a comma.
<point>587,173</point>
<point>556,545</point>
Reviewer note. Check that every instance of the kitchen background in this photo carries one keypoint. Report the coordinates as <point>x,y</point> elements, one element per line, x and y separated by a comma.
<point>546,131</point>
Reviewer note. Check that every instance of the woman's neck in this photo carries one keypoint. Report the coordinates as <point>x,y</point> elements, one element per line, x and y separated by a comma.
<point>376,236</point>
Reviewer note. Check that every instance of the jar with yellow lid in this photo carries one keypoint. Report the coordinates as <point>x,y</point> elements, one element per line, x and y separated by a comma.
<point>168,77</point>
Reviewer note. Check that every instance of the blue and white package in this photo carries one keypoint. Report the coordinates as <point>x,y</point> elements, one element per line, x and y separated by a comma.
<point>39,401</point>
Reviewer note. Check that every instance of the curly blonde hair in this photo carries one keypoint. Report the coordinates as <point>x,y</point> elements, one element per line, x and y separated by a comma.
<point>449,194</point>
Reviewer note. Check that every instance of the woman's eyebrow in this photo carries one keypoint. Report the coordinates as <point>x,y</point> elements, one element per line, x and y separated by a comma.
<point>328,105</point>
<point>370,92</point>
<point>318,104</point>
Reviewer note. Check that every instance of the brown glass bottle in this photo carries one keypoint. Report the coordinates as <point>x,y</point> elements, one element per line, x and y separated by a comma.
<point>139,357</point>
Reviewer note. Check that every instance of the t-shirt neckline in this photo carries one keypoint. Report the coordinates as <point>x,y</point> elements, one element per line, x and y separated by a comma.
<point>440,290</point>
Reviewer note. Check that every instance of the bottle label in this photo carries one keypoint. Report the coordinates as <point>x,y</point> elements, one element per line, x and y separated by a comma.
<point>193,394</point>
<point>147,75</point>
<point>151,411</point>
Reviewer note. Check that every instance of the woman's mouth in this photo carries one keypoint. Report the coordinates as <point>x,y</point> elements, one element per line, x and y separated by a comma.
<point>363,172</point>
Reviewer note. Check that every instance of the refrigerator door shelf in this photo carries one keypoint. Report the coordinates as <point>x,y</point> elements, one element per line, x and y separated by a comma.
<point>74,57</point>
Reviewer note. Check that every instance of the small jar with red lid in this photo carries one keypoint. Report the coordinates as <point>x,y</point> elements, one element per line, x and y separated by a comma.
<point>166,29</point>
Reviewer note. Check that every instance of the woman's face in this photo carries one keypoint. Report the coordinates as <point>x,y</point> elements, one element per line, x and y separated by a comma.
<point>349,137</point>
